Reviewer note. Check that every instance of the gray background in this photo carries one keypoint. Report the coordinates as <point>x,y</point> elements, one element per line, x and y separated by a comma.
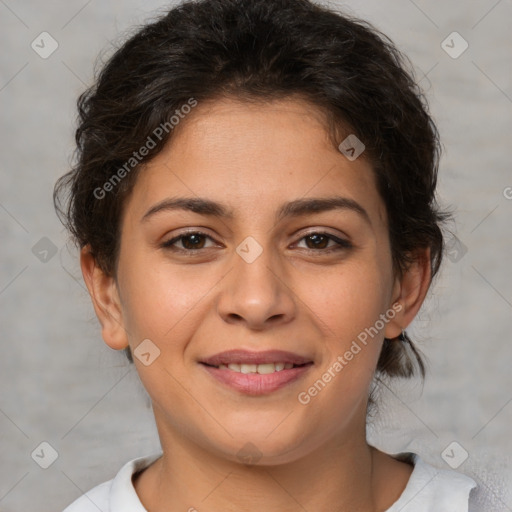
<point>61,384</point>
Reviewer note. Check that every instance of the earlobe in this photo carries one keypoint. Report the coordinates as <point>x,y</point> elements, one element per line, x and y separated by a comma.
<point>409,292</point>
<point>105,299</point>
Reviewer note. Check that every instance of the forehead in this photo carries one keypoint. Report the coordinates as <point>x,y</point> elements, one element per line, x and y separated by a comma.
<point>254,156</point>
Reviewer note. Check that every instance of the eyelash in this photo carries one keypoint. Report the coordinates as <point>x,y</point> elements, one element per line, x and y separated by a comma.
<point>341,243</point>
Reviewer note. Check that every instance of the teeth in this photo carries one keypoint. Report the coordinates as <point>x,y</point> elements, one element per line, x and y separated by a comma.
<point>262,369</point>
<point>248,368</point>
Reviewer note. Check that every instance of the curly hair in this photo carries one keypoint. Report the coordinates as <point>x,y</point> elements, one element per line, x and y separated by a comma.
<point>259,50</point>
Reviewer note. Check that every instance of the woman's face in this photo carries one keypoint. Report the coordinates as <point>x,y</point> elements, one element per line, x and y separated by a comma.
<point>270,272</point>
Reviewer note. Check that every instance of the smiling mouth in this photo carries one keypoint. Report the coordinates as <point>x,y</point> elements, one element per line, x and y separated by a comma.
<point>261,369</point>
<point>257,379</point>
<point>257,373</point>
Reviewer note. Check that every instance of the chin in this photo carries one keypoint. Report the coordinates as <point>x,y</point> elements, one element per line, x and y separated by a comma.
<point>262,447</point>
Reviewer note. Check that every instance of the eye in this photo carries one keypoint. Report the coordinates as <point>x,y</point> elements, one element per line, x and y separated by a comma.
<point>318,242</point>
<point>191,241</point>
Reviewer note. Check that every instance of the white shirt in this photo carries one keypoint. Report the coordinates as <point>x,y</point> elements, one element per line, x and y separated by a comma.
<point>429,489</point>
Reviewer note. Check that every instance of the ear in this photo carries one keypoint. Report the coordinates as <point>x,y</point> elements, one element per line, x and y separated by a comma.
<point>105,299</point>
<point>409,292</point>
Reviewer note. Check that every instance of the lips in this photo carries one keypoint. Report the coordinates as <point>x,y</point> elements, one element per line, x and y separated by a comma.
<point>255,358</point>
<point>256,373</point>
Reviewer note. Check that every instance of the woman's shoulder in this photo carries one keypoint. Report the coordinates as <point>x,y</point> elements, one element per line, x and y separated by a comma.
<point>115,494</point>
<point>434,489</point>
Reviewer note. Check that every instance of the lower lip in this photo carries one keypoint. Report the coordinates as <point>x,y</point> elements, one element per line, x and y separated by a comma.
<point>254,383</point>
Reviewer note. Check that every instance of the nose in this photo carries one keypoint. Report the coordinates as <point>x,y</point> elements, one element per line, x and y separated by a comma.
<point>257,293</point>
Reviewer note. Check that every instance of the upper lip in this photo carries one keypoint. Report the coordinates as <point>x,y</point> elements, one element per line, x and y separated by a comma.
<point>250,357</point>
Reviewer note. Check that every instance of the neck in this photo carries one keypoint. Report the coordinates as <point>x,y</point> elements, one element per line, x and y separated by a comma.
<point>342,474</point>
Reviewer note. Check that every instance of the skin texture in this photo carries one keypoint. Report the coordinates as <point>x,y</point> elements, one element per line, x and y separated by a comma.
<point>295,297</point>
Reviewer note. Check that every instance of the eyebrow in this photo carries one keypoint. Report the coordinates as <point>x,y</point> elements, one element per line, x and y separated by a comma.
<point>294,208</point>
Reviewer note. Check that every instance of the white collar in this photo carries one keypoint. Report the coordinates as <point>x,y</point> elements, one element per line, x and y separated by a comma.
<point>433,489</point>
<point>122,493</point>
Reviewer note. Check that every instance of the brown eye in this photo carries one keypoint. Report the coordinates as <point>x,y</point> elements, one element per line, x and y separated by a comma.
<point>319,242</point>
<point>191,241</point>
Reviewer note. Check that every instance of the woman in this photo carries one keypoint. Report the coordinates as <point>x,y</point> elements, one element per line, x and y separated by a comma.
<point>254,199</point>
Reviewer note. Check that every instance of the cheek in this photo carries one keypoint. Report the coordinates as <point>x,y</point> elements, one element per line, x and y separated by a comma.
<point>347,305</point>
<point>347,300</point>
<point>352,340</point>
<point>163,302</point>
